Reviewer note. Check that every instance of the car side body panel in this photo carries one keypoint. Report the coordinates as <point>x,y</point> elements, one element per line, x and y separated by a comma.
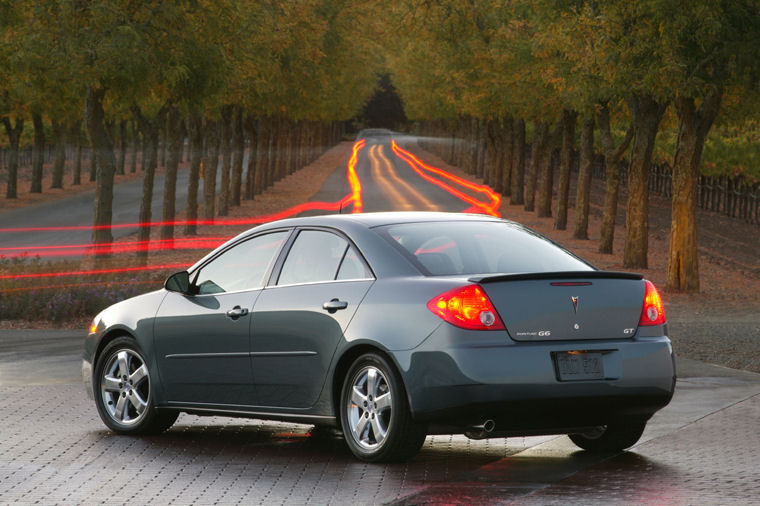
<point>132,317</point>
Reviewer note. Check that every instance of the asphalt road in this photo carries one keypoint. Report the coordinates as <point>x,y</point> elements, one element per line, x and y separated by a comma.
<point>77,210</point>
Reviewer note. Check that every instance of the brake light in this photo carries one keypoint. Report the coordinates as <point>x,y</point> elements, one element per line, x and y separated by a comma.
<point>467,307</point>
<point>652,313</point>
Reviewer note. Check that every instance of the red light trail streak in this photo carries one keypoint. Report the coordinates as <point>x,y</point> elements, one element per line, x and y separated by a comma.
<point>419,167</point>
<point>77,285</point>
<point>93,272</point>
<point>354,199</point>
<point>115,247</point>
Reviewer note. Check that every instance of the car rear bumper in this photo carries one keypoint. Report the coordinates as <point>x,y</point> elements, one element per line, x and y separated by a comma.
<point>457,379</point>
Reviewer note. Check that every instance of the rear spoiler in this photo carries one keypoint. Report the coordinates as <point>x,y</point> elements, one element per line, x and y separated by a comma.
<point>555,275</point>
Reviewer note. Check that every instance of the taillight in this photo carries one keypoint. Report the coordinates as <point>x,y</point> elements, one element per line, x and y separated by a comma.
<point>652,313</point>
<point>467,307</point>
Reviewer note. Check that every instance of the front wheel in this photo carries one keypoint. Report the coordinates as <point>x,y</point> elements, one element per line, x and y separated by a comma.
<point>123,391</point>
<point>375,415</point>
<point>614,437</point>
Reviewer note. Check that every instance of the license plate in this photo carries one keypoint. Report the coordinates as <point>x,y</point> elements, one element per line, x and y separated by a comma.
<point>575,366</point>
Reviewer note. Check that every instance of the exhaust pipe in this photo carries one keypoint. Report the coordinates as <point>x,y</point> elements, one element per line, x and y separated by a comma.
<point>481,431</point>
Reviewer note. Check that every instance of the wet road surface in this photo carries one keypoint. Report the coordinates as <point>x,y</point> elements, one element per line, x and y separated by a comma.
<point>701,449</point>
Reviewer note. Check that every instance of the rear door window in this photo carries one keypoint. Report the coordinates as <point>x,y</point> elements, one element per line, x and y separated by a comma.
<point>314,257</point>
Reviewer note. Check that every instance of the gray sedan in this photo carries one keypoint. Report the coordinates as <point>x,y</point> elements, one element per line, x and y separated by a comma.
<point>390,326</point>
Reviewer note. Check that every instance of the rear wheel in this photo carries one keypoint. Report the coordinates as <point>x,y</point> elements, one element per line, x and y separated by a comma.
<point>374,413</point>
<point>614,437</point>
<point>123,391</point>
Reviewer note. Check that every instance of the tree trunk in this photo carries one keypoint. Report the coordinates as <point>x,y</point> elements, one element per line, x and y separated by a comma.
<point>14,138</point>
<point>272,153</point>
<point>122,147</point>
<point>280,147</point>
<point>646,114</point>
<point>612,157</point>
<point>224,191</point>
<point>209,175</point>
<point>93,165</point>
<point>492,165</point>
<point>507,145</point>
<point>694,124</point>
<point>149,130</point>
<point>540,138</point>
<point>238,140</point>
<point>544,207</point>
<point>583,192</point>
<point>59,141</point>
<point>163,136</point>
<point>38,154</point>
<point>516,192</point>
<point>195,144</point>
<point>76,136</point>
<point>251,128</point>
<point>565,160</point>
<point>262,156</point>
<point>103,147</point>
<point>175,137</point>
<point>290,129</point>
<point>135,140</point>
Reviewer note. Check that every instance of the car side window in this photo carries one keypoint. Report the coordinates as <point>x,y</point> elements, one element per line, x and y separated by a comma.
<point>242,267</point>
<point>352,266</point>
<point>314,257</point>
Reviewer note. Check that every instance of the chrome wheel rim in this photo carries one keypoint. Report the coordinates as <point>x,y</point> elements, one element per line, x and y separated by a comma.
<point>125,387</point>
<point>369,407</point>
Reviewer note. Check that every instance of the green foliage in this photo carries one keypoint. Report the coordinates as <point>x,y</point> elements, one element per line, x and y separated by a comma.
<point>728,151</point>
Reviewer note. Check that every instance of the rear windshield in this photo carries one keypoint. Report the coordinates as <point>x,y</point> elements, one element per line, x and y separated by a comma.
<point>473,247</point>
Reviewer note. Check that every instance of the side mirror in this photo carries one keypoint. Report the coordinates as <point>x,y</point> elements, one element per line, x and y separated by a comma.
<point>178,282</point>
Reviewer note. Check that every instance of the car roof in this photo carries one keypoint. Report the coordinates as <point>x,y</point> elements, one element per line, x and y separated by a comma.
<point>371,220</point>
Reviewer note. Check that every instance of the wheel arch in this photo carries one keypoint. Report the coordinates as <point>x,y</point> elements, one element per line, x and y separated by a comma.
<point>344,364</point>
<point>107,338</point>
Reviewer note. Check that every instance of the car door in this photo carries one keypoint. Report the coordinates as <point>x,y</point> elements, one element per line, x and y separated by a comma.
<point>299,319</point>
<point>203,340</point>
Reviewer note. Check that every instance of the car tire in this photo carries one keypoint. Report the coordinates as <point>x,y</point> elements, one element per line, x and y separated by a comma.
<point>124,392</point>
<point>614,437</point>
<point>374,413</point>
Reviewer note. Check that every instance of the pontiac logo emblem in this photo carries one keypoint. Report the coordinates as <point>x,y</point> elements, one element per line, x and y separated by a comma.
<point>574,300</point>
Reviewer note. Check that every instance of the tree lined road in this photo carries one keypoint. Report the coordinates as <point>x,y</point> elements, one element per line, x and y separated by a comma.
<point>388,183</point>
<point>76,211</point>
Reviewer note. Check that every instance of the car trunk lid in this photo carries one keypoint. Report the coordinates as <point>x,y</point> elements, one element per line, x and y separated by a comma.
<point>556,306</point>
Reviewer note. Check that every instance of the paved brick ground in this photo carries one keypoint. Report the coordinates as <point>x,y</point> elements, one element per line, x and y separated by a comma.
<point>55,450</point>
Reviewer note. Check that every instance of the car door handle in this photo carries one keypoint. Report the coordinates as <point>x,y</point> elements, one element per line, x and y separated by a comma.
<point>334,305</point>
<point>236,312</point>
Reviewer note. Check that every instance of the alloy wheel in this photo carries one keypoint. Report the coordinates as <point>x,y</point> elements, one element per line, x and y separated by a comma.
<point>125,387</point>
<point>369,407</point>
